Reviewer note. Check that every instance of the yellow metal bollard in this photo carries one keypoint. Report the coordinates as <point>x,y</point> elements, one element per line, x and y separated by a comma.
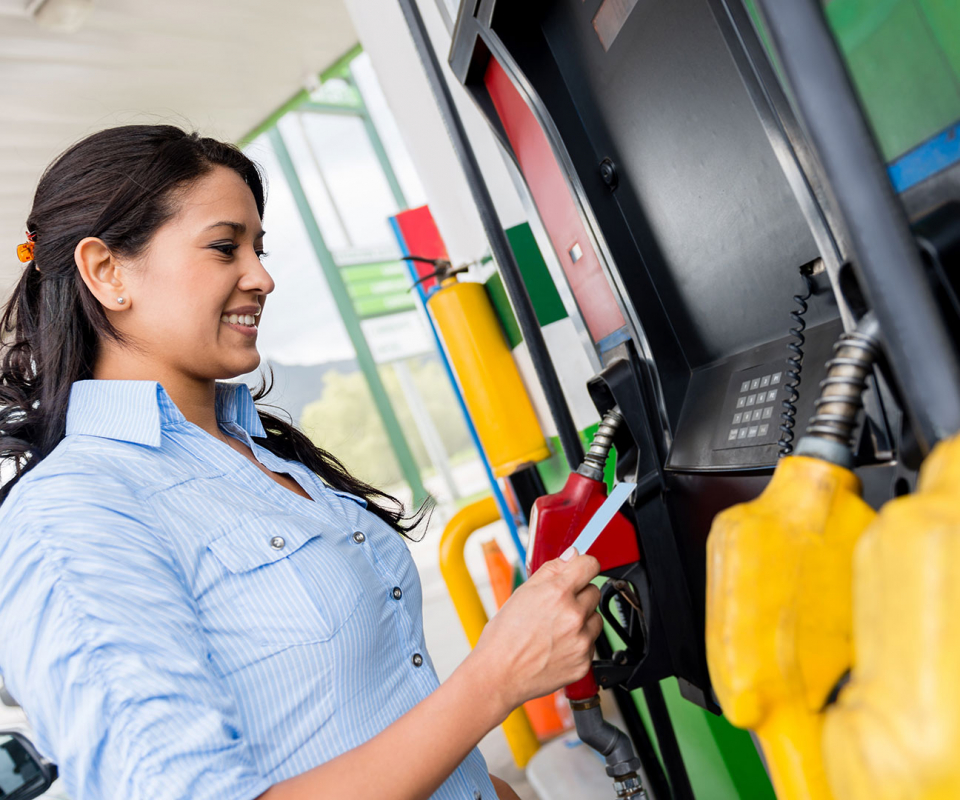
<point>779,616</point>
<point>466,599</point>
<point>894,732</point>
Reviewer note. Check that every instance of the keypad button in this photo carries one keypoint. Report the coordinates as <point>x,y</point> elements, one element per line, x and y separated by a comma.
<point>742,434</point>
<point>771,395</point>
<point>763,430</point>
<point>751,399</point>
<point>756,415</point>
<point>767,412</point>
<point>765,381</point>
<point>752,432</point>
<point>755,384</point>
<point>732,435</point>
<point>741,401</point>
<point>736,418</point>
<point>417,660</point>
<point>745,386</point>
<point>775,378</point>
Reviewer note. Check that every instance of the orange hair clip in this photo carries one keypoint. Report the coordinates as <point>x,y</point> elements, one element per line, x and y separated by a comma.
<point>25,250</point>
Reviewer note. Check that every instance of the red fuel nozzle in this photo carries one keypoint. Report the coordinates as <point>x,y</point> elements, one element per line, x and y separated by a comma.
<point>555,523</point>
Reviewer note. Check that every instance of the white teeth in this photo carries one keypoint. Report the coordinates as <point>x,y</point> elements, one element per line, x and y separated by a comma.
<point>243,319</point>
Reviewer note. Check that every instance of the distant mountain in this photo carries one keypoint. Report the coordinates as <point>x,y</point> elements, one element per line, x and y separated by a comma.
<point>294,387</point>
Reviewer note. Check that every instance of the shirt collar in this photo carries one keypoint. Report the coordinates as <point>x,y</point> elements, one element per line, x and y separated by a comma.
<point>136,411</point>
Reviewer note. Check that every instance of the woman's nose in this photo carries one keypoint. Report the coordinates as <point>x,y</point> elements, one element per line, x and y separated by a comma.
<point>255,277</point>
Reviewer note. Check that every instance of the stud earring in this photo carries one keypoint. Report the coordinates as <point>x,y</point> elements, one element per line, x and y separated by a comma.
<point>121,300</point>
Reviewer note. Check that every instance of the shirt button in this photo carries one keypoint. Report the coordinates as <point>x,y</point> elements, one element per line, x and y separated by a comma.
<point>359,537</point>
<point>397,592</point>
<point>417,659</point>
<point>477,795</point>
<point>277,543</point>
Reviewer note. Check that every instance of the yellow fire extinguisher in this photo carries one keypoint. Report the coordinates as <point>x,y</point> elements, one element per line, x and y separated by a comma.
<point>488,376</point>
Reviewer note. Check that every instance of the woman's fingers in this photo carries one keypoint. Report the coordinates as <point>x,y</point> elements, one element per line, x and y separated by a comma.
<point>588,598</point>
<point>579,571</point>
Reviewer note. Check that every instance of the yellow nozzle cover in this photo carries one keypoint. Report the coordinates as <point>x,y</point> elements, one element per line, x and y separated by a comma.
<point>895,729</point>
<point>779,615</point>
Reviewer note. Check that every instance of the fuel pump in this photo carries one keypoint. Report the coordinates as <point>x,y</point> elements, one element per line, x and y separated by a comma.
<point>555,522</point>
<point>779,583</point>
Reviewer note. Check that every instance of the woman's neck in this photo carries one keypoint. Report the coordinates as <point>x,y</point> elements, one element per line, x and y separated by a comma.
<point>195,397</point>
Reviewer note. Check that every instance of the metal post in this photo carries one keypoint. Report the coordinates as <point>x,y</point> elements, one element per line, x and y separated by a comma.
<point>351,321</point>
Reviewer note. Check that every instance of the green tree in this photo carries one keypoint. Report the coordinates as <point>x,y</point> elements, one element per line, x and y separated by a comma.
<point>345,422</point>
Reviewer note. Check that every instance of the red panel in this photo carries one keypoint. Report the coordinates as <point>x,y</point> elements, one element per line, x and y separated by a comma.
<point>557,208</point>
<point>422,239</point>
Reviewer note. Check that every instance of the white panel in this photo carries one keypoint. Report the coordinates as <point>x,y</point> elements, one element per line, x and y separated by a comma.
<point>573,369</point>
<point>522,356</point>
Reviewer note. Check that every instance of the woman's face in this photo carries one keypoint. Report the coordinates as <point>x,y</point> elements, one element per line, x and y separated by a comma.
<point>197,292</point>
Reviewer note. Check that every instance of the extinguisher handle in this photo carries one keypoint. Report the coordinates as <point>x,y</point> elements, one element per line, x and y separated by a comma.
<point>583,689</point>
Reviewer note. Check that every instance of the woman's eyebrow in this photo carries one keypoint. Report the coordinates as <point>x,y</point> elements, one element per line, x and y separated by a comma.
<point>239,227</point>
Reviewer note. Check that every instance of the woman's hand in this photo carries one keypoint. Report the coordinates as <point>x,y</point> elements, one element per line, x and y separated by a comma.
<point>543,637</point>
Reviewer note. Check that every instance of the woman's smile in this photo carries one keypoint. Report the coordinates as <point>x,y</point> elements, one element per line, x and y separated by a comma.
<point>244,319</point>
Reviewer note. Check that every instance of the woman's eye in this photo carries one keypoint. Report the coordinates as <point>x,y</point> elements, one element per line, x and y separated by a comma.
<point>262,254</point>
<point>226,249</point>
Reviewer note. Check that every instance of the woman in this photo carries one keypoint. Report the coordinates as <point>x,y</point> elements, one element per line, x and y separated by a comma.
<point>196,601</point>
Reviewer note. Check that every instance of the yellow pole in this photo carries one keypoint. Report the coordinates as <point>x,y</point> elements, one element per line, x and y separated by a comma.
<point>466,599</point>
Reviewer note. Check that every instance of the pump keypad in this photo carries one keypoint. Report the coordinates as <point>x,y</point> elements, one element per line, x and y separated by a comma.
<point>752,407</point>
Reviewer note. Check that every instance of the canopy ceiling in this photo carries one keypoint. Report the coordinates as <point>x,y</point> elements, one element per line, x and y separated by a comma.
<point>220,66</point>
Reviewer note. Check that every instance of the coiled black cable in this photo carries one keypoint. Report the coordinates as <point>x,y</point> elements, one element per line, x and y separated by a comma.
<point>788,417</point>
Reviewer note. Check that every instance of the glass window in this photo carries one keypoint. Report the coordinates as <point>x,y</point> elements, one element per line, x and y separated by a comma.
<point>301,324</point>
<point>386,126</point>
<point>348,163</point>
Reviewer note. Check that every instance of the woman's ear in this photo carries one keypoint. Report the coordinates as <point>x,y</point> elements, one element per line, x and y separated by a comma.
<point>102,273</point>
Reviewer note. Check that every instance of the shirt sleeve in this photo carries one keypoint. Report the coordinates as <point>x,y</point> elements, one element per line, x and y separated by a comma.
<point>101,643</point>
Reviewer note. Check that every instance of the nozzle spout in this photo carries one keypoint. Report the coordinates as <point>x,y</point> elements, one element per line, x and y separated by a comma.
<point>612,743</point>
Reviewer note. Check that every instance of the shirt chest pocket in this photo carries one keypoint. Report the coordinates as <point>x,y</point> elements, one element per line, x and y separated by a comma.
<point>280,583</point>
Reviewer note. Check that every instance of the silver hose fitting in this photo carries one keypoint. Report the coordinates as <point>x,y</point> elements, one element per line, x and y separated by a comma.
<point>830,431</point>
<point>596,458</point>
<point>612,743</point>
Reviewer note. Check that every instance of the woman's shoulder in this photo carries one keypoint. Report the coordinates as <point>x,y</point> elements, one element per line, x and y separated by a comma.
<point>69,483</point>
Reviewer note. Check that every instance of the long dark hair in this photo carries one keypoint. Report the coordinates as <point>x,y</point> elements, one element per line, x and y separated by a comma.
<point>119,185</point>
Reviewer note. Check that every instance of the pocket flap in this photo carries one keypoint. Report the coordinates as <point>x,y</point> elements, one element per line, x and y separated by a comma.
<point>263,540</point>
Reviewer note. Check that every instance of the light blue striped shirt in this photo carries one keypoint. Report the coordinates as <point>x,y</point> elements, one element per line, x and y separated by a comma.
<point>179,626</point>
